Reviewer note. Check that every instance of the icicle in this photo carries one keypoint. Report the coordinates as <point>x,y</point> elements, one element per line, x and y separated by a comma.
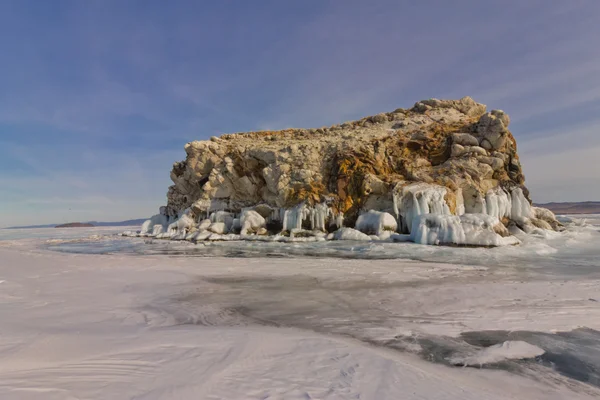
<point>460,202</point>
<point>521,209</point>
<point>318,217</point>
<point>498,203</point>
<point>419,199</point>
<point>293,217</point>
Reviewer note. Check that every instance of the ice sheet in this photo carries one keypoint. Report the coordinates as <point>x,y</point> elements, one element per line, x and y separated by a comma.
<point>158,327</point>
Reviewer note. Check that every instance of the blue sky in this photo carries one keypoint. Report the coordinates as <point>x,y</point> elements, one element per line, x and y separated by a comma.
<point>97,98</point>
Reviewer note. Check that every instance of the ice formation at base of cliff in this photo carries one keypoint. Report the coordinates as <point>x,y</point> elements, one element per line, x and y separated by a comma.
<point>421,212</point>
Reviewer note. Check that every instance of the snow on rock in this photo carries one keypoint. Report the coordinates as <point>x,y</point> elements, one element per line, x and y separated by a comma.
<point>201,235</point>
<point>217,237</point>
<point>481,221</point>
<point>152,225</point>
<point>184,223</point>
<point>179,235</point>
<point>514,230</point>
<point>224,217</point>
<point>204,224</point>
<point>485,230</point>
<point>190,236</point>
<point>218,228</point>
<point>509,350</point>
<point>157,230</point>
<point>251,222</point>
<point>165,235</point>
<point>545,215</point>
<point>376,223</point>
<point>385,235</point>
<point>349,234</point>
<point>467,229</point>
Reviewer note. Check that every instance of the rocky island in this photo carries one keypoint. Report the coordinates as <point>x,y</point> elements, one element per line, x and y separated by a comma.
<point>441,172</point>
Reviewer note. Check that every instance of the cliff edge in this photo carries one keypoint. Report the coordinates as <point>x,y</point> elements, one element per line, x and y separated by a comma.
<point>443,171</point>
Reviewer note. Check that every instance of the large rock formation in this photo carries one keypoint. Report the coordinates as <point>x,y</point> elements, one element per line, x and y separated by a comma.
<point>422,169</point>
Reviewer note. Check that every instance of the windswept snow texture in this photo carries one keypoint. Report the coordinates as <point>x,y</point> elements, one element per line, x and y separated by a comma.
<point>523,319</point>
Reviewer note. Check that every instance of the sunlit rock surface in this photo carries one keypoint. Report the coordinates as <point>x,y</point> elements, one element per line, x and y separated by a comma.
<point>444,171</point>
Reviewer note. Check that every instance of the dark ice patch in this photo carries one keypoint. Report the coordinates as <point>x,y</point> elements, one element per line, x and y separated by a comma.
<point>574,354</point>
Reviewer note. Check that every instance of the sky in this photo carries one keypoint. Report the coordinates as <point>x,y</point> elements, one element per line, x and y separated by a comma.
<point>98,98</point>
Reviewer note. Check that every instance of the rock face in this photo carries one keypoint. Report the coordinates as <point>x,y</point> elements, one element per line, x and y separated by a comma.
<point>441,157</point>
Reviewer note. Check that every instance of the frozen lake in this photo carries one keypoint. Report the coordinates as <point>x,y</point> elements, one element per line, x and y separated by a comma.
<point>573,252</point>
<point>87,314</point>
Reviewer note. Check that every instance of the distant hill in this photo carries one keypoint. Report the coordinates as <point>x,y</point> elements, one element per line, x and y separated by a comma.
<point>129,222</point>
<point>75,225</point>
<point>585,207</point>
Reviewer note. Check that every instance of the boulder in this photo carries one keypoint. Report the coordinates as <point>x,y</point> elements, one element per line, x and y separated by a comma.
<point>491,131</point>
<point>204,225</point>
<point>252,222</point>
<point>350,234</point>
<point>465,139</point>
<point>218,227</point>
<point>376,222</point>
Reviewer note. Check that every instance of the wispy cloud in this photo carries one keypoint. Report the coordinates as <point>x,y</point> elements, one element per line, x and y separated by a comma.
<point>98,98</point>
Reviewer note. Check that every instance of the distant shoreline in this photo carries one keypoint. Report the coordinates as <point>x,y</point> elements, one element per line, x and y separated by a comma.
<point>130,222</point>
<point>586,207</point>
<point>75,225</point>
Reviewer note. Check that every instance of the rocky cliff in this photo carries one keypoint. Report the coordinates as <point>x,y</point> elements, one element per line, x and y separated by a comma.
<point>437,171</point>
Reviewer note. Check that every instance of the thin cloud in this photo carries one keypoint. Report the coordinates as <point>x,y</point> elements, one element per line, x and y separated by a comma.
<point>98,101</point>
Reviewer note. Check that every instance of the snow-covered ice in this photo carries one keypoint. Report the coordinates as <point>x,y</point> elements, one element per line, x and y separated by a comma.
<point>139,324</point>
<point>509,350</point>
